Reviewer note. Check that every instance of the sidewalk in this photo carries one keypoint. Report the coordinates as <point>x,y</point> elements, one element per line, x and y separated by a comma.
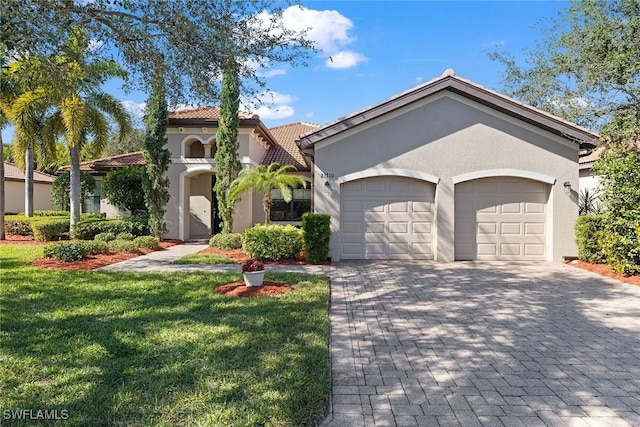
<point>163,261</point>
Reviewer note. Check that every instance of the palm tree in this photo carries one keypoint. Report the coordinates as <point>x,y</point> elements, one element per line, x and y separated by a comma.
<point>79,114</point>
<point>263,179</point>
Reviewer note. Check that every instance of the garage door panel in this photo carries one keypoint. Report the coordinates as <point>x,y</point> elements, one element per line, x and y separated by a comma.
<point>500,219</point>
<point>398,216</point>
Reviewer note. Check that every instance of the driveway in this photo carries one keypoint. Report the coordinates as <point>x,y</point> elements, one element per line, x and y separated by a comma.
<point>466,344</point>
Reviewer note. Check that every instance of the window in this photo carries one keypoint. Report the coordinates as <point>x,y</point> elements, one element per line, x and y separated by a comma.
<point>292,211</point>
<point>91,202</point>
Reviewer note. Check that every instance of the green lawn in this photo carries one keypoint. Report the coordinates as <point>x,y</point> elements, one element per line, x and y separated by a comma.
<point>199,258</point>
<point>140,349</point>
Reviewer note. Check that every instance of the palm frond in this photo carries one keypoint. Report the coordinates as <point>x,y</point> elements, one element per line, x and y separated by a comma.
<point>97,125</point>
<point>73,111</point>
<point>114,108</point>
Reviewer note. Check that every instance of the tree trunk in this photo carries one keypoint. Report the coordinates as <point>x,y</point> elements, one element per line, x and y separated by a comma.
<point>28,181</point>
<point>267,202</point>
<point>2,236</point>
<point>74,186</point>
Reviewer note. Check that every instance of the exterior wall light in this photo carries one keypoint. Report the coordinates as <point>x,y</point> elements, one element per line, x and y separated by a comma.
<point>567,187</point>
<point>327,184</point>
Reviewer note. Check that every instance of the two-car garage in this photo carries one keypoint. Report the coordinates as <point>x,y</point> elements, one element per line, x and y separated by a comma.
<point>498,218</point>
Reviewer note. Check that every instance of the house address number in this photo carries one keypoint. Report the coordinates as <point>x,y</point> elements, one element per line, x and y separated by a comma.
<point>328,175</point>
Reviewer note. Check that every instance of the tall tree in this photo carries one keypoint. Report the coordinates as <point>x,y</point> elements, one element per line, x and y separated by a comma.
<point>135,31</point>
<point>226,157</point>
<point>72,84</point>
<point>587,69</point>
<point>263,179</point>
<point>156,188</point>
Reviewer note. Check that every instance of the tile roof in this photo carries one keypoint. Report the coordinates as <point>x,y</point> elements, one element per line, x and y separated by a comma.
<point>287,151</point>
<point>12,173</point>
<point>206,113</point>
<point>589,156</point>
<point>119,161</point>
<point>449,81</point>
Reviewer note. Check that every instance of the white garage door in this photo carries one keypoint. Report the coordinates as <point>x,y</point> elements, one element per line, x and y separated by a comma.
<point>386,218</point>
<point>501,219</point>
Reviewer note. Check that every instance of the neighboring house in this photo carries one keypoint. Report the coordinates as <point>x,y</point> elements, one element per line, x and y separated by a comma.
<point>589,180</point>
<point>449,171</point>
<point>14,190</point>
<point>98,169</point>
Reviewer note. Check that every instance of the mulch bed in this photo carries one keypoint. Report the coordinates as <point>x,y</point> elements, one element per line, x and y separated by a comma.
<point>268,288</point>
<point>605,270</point>
<point>15,239</point>
<point>240,257</point>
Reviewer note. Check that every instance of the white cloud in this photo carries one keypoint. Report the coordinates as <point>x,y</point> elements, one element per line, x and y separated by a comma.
<point>275,98</point>
<point>345,59</point>
<point>309,115</point>
<point>273,113</point>
<point>95,45</point>
<point>136,109</point>
<point>328,29</point>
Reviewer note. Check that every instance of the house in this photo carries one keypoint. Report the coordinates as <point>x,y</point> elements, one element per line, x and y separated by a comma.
<point>14,189</point>
<point>587,180</point>
<point>448,170</point>
<point>99,169</point>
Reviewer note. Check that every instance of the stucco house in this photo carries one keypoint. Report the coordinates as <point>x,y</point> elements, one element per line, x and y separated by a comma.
<point>14,189</point>
<point>448,170</point>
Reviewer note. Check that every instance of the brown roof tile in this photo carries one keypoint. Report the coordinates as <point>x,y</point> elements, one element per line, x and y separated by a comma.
<point>205,113</point>
<point>12,173</point>
<point>287,151</point>
<point>119,161</point>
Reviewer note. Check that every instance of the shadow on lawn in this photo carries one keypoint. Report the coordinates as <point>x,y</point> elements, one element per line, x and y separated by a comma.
<point>165,349</point>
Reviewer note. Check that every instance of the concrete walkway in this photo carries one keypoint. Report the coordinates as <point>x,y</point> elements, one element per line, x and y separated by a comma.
<point>162,261</point>
<point>493,344</point>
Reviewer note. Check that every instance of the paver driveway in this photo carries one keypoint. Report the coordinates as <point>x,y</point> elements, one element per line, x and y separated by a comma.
<point>418,343</point>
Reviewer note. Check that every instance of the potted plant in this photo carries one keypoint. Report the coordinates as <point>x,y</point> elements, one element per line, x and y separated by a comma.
<point>253,272</point>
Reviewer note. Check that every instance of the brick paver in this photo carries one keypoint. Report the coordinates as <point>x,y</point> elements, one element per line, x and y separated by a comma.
<point>482,344</point>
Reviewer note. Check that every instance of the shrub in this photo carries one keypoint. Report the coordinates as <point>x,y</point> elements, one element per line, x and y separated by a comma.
<point>125,236</point>
<point>94,247</point>
<point>87,229</point>
<point>51,213</point>
<point>107,236</point>
<point>589,237</point>
<point>272,242</point>
<point>66,251</point>
<point>147,242</point>
<point>317,232</point>
<point>122,246</point>
<point>92,215</point>
<point>226,241</point>
<point>123,188</point>
<point>50,228</point>
<point>18,224</point>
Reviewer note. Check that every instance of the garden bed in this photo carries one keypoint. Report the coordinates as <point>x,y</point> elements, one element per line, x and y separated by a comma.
<point>605,270</point>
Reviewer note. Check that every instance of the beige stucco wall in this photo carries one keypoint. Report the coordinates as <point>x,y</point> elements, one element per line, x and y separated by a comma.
<point>445,136</point>
<point>14,196</point>
<point>190,180</point>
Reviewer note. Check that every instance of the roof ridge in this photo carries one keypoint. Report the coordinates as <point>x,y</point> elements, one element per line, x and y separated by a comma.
<point>294,124</point>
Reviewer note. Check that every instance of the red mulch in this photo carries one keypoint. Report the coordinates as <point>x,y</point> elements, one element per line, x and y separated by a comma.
<point>605,270</point>
<point>97,261</point>
<point>15,239</point>
<point>240,257</point>
<point>268,288</point>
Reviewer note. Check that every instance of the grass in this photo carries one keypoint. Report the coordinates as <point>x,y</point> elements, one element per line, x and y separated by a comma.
<point>199,258</point>
<point>141,349</point>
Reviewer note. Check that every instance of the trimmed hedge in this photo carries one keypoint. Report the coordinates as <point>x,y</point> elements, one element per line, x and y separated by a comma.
<point>125,236</point>
<point>87,229</point>
<point>105,237</point>
<point>18,224</point>
<point>50,228</point>
<point>66,251</point>
<point>94,247</point>
<point>122,246</point>
<point>589,238</point>
<point>147,242</point>
<point>226,241</point>
<point>272,242</point>
<point>317,233</point>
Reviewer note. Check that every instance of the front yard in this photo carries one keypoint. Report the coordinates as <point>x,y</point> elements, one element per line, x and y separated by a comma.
<point>160,349</point>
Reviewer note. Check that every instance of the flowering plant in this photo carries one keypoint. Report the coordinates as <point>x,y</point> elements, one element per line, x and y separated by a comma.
<point>253,265</point>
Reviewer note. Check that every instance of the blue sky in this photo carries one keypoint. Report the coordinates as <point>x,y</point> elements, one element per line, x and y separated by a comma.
<point>381,48</point>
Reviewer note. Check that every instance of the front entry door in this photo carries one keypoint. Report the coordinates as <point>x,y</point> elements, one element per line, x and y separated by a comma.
<point>216,222</point>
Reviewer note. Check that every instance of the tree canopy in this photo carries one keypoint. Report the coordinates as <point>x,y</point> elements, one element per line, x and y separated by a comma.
<point>587,69</point>
<point>189,38</point>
